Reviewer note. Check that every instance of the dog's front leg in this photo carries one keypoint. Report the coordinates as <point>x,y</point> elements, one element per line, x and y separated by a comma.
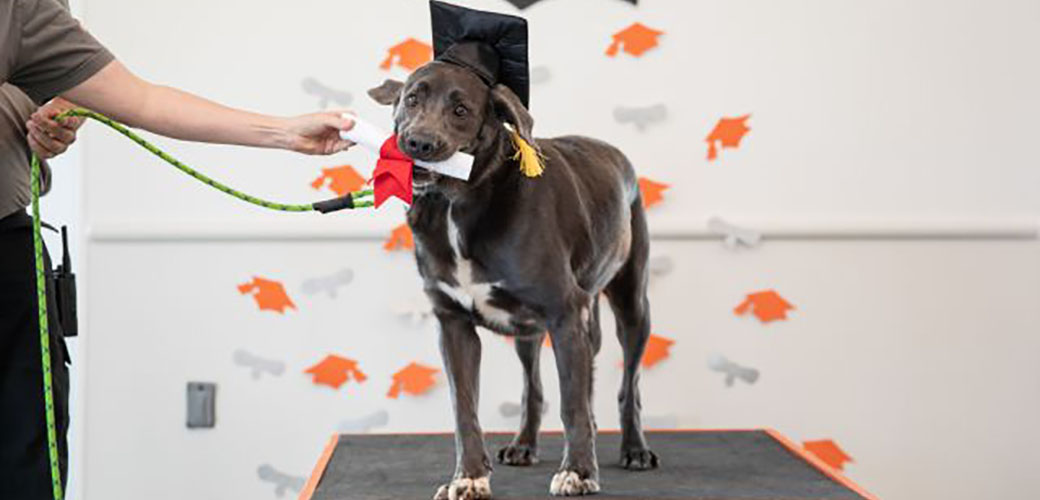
<point>460,350</point>
<point>579,472</point>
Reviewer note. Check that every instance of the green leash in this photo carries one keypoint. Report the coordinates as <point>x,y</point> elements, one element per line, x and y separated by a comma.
<point>357,199</point>
<point>45,340</point>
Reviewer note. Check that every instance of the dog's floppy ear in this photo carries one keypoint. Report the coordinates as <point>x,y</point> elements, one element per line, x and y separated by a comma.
<point>387,93</point>
<point>509,109</point>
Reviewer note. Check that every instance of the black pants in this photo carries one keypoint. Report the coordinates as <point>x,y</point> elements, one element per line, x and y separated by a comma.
<point>24,463</point>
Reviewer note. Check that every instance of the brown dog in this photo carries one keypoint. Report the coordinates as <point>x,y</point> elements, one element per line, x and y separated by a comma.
<point>521,256</point>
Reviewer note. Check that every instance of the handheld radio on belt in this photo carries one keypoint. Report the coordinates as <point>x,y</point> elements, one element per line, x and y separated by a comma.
<point>65,290</point>
<point>63,282</point>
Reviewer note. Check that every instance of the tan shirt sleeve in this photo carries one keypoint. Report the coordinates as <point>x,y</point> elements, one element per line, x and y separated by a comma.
<point>54,53</point>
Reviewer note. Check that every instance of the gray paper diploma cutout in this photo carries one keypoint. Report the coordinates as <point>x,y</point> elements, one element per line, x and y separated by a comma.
<point>510,409</point>
<point>257,364</point>
<point>732,370</point>
<point>734,235</point>
<point>281,480</point>
<point>523,4</point>
<point>660,265</point>
<point>329,284</point>
<point>660,422</point>
<point>642,117</point>
<point>540,75</point>
<point>326,94</point>
<point>366,423</point>
<point>416,309</point>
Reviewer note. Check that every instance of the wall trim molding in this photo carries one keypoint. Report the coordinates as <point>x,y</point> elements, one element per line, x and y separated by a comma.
<point>694,228</point>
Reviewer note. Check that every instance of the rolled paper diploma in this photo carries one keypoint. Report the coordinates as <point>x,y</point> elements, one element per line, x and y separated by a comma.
<point>372,138</point>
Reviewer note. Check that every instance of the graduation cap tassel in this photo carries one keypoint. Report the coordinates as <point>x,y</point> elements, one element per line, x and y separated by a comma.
<point>530,160</point>
<point>613,49</point>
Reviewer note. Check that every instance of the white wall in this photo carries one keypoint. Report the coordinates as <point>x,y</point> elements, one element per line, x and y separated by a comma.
<point>884,117</point>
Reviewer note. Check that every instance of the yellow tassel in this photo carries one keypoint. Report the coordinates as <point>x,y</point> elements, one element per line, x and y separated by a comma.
<point>531,163</point>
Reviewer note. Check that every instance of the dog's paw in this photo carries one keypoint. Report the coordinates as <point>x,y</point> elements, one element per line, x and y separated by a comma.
<point>465,488</point>
<point>639,459</point>
<point>517,454</point>
<point>568,483</point>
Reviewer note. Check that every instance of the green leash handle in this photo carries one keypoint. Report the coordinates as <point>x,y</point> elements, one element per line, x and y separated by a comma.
<point>357,199</point>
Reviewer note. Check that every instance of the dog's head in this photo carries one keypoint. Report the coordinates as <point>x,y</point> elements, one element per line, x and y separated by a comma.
<point>443,108</point>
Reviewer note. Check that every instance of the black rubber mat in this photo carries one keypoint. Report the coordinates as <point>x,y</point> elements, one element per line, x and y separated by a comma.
<point>717,465</point>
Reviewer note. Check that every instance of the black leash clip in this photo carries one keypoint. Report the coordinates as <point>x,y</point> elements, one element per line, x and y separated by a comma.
<point>334,204</point>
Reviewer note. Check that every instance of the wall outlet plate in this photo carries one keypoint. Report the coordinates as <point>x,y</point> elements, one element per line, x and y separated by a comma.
<point>202,402</point>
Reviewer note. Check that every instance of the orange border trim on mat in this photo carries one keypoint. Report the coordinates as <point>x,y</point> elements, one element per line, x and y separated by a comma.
<point>819,464</point>
<point>319,468</point>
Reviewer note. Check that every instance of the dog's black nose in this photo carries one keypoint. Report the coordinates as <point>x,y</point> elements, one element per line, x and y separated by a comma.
<point>420,145</point>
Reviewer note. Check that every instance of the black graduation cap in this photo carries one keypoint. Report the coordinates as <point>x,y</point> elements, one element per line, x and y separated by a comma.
<point>492,45</point>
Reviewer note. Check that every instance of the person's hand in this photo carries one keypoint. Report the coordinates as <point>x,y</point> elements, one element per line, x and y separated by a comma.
<point>48,138</point>
<point>318,133</point>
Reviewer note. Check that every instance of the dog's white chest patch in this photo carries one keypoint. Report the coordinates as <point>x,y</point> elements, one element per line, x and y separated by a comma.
<point>470,294</point>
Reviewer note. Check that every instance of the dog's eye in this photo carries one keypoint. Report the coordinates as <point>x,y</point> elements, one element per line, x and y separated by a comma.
<point>461,110</point>
<point>411,100</point>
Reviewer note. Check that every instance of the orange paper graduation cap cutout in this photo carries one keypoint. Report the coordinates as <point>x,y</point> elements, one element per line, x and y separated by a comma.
<point>728,132</point>
<point>410,54</point>
<point>651,191</point>
<point>657,350</point>
<point>341,180</point>
<point>635,39</point>
<point>334,371</point>
<point>766,305</point>
<point>269,295</point>
<point>828,452</point>
<point>400,239</point>
<point>414,379</point>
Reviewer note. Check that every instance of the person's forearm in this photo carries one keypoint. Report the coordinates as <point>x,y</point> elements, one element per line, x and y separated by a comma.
<point>116,92</point>
<point>178,114</point>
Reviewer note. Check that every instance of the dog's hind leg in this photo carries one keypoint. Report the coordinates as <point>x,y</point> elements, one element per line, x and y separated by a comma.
<point>596,340</point>
<point>524,448</point>
<point>627,295</point>
<point>460,349</point>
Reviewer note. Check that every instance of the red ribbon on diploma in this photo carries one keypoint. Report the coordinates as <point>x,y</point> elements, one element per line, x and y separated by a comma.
<point>393,173</point>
